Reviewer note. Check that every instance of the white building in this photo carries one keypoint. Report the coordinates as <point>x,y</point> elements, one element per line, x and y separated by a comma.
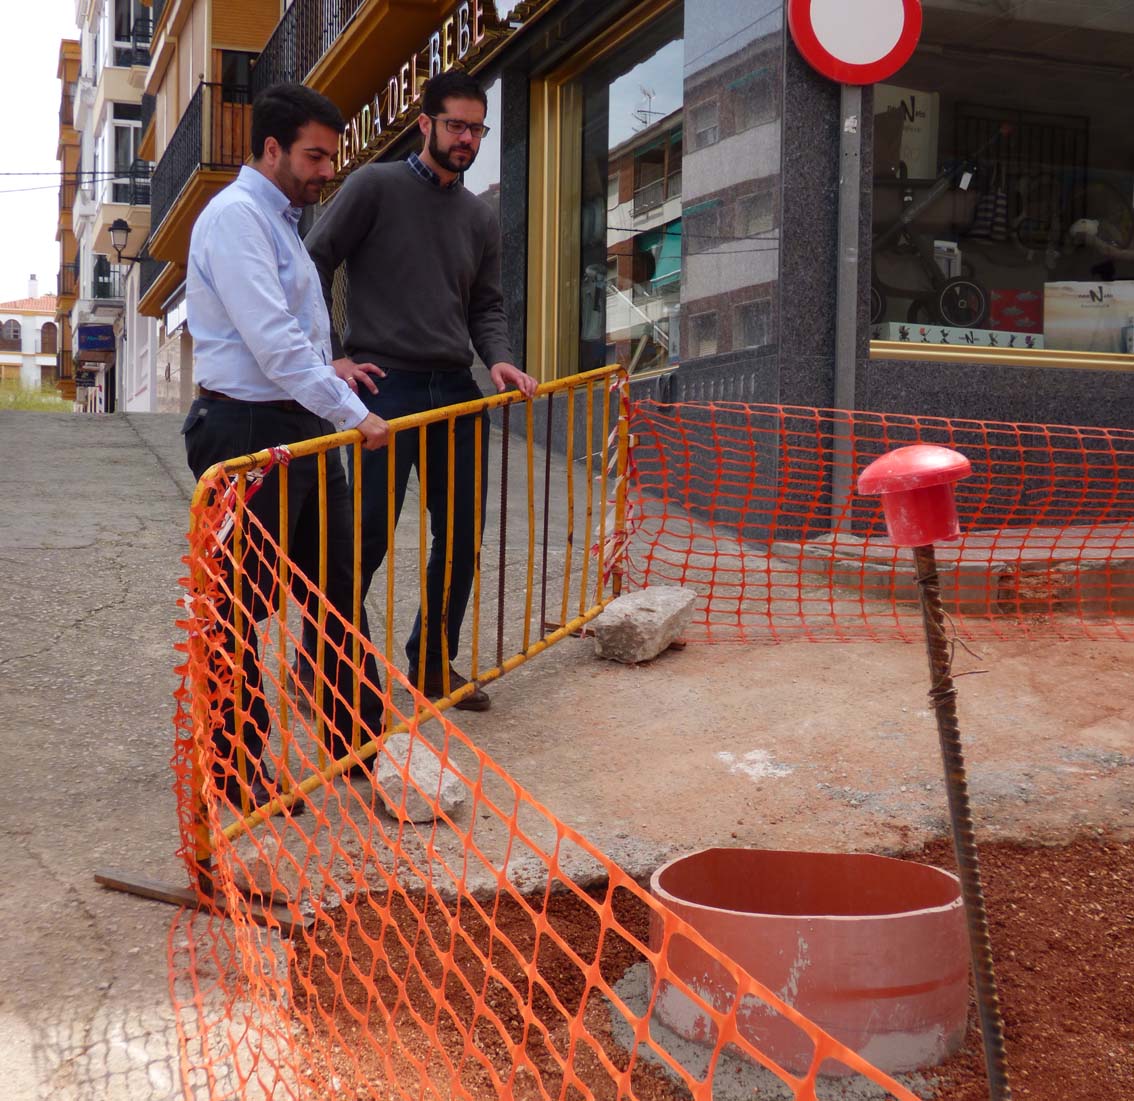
<point>29,339</point>
<point>114,187</point>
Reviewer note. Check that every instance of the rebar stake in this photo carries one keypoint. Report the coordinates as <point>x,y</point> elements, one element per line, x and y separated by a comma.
<point>943,696</point>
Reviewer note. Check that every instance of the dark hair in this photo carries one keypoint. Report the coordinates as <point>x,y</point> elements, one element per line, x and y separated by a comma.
<point>279,111</point>
<point>451,85</point>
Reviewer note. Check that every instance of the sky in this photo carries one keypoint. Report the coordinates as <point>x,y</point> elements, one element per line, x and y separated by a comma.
<point>29,95</point>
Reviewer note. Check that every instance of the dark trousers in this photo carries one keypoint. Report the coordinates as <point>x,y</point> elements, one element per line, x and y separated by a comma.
<point>219,430</point>
<point>400,394</point>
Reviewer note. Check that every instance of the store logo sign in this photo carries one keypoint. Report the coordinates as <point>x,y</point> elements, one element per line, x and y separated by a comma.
<point>911,111</point>
<point>458,33</point>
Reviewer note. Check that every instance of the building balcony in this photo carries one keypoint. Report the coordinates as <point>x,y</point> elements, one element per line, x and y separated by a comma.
<point>67,111</point>
<point>150,271</point>
<point>308,29</point>
<point>67,282</point>
<point>126,197</point>
<point>137,59</point>
<point>64,366</point>
<point>337,46</point>
<point>211,143</point>
<point>108,287</point>
<point>68,192</point>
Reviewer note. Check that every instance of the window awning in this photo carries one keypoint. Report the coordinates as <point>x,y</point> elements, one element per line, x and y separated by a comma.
<point>667,269</point>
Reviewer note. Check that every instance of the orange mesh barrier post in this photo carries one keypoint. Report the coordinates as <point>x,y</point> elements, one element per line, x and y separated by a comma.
<point>736,501</point>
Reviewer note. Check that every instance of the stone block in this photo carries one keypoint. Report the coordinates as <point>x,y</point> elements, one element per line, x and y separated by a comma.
<point>427,781</point>
<point>639,626</point>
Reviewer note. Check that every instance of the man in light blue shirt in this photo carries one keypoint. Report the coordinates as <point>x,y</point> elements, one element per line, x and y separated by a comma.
<point>262,364</point>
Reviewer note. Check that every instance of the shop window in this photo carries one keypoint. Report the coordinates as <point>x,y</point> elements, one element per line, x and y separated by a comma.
<point>1004,185</point>
<point>629,186</point>
<point>752,324</point>
<point>705,124</point>
<point>702,335</point>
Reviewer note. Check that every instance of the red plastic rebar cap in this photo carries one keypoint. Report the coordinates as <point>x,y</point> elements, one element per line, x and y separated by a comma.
<point>914,467</point>
<point>916,487</point>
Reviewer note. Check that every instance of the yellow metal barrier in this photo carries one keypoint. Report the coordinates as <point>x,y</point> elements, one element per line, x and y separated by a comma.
<point>235,563</point>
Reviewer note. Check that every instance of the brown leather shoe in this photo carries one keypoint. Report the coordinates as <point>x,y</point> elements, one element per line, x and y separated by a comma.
<point>477,700</point>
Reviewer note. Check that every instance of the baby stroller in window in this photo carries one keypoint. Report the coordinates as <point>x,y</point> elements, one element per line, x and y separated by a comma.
<point>958,301</point>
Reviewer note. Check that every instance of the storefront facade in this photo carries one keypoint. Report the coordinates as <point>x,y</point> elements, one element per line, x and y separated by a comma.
<point>667,176</point>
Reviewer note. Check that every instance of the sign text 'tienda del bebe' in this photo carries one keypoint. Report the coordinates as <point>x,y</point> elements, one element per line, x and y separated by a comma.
<point>460,31</point>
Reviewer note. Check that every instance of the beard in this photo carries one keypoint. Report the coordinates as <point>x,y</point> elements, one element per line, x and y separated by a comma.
<point>444,159</point>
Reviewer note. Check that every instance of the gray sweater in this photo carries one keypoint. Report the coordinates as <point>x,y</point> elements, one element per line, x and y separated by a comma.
<point>423,263</point>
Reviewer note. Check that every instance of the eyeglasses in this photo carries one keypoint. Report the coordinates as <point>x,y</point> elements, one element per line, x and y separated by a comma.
<point>459,126</point>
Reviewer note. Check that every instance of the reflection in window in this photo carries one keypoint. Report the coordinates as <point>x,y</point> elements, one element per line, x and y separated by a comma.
<point>753,99</point>
<point>752,324</point>
<point>704,226</point>
<point>483,178</point>
<point>702,335</point>
<point>706,120</point>
<point>674,199</point>
<point>1003,201</point>
<point>632,170</point>
<point>755,214</point>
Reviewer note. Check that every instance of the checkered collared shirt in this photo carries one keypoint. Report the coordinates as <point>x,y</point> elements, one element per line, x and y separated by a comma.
<point>419,166</point>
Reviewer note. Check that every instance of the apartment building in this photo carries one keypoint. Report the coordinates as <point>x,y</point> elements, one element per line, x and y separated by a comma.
<point>105,185</point>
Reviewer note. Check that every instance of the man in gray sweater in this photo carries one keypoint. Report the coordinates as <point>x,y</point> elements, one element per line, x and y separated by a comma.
<point>422,260</point>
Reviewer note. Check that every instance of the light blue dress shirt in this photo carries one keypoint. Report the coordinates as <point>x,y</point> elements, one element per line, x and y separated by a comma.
<point>255,305</point>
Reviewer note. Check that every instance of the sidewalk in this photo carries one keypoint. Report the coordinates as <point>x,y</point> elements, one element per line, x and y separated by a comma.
<point>798,745</point>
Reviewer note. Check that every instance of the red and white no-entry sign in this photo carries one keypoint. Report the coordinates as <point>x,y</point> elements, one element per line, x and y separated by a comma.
<point>855,41</point>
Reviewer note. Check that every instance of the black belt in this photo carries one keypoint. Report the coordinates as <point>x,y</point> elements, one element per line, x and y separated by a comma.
<point>287,406</point>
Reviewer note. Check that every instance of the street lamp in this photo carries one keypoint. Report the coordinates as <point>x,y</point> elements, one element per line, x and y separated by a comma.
<point>119,234</point>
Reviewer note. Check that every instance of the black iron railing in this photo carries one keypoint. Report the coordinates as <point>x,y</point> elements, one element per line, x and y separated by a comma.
<point>68,280</point>
<point>108,281</point>
<point>308,29</point>
<point>134,186</point>
<point>68,188</point>
<point>138,51</point>
<point>214,132</point>
<point>150,270</point>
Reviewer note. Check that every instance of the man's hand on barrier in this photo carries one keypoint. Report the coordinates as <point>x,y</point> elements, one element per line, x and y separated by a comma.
<point>353,373</point>
<point>508,374</point>
<point>374,431</point>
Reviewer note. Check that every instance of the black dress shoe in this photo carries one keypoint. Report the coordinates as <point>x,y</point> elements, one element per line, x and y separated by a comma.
<point>476,700</point>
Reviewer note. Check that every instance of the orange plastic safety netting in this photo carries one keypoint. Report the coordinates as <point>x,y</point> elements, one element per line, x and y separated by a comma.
<point>413,923</point>
<point>753,506</point>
